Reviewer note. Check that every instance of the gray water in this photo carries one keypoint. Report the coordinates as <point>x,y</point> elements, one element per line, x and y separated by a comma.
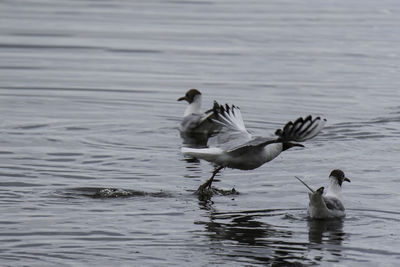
<point>90,164</point>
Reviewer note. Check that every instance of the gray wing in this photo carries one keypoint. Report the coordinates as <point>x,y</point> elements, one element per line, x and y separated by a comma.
<point>333,203</point>
<point>227,139</point>
<point>251,145</point>
<point>233,133</point>
<point>190,122</point>
<point>199,123</point>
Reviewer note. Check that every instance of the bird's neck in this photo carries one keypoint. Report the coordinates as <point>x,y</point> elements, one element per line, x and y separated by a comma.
<point>334,189</point>
<point>194,107</point>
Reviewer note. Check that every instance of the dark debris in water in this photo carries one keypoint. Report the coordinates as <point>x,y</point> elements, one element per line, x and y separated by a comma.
<point>116,193</point>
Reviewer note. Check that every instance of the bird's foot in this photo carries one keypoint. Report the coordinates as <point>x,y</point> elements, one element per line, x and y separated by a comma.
<point>205,192</point>
<point>206,186</point>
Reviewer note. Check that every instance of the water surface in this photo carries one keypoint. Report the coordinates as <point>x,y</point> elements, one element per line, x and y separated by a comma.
<point>90,164</point>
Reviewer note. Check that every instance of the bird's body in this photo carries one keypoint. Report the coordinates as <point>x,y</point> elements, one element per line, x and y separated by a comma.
<point>325,207</point>
<point>328,205</point>
<point>247,160</point>
<point>234,147</point>
<point>196,123</point>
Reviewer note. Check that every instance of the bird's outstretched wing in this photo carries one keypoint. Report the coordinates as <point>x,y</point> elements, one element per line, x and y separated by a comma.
<point>233,132</point>
<point>301,129</point>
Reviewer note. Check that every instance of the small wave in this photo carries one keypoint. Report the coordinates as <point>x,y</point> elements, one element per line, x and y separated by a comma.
<point>141,51</point>
<point>31,126</point>
<point>372,129</point>
<point>6,153</point>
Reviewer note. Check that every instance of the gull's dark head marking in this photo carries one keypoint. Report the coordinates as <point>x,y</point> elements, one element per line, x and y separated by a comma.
<point>339,176</point>
<point>190,95</point>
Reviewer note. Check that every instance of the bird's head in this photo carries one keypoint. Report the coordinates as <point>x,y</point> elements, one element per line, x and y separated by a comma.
<point>338,177</point>
<point>191,96</point>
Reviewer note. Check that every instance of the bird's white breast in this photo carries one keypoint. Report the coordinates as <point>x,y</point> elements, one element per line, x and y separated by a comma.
<point>194,107</point>
<point>271,151</point>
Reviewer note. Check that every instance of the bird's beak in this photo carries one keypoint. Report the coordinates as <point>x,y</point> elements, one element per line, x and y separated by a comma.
<point>182,98</point>
<point>299,145</point>
<point>346,179</point>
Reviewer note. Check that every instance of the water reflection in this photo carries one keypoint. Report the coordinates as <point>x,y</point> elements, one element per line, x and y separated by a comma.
<point>329,235</point>
<point>245,237</point>
<point>241,228</point>
<point>326,231</point>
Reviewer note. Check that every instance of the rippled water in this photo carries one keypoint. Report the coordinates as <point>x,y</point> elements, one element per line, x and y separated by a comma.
<point>90,163</point>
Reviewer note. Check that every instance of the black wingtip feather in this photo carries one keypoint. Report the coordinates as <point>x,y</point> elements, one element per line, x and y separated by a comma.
<point>216,109</point>
<point>311,125</point>
<point>297,125</point>
<point>300,129</point>
<point>227,108</point>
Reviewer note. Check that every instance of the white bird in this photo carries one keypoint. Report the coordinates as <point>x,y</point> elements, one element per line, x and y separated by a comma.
<point>328,205</point>
<point>234,147</point>
<point>196,125</point>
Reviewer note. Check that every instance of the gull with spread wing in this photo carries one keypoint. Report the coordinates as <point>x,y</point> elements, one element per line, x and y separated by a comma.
<point>234,147</point>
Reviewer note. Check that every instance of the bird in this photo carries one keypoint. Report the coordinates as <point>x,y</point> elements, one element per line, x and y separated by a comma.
<point>196,126</point>
<point>328,205</point>
<point>234,147</point>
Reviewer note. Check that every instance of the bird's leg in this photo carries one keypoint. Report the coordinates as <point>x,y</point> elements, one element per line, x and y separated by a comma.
<point>209,181</point>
